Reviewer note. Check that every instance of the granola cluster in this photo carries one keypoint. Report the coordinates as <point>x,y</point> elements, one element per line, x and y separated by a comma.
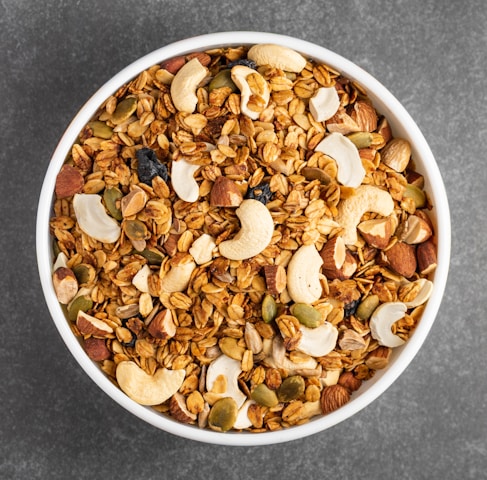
<point>240,241</point>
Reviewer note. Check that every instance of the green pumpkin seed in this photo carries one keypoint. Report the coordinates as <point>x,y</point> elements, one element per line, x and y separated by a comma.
<point>83,303</point>
<point>264,396</point>
<point>306,314</point>
<point>222,79</point>
<point>418,196</point>
<point>124,110</point>
<point>153,256</point>
<point>223,414</point>
<point>361,139</point>
<point>84,273</point>
<point>291,388</point>
<point>101,129</point>
<point>269,309</point>
<point>366,307</point>
<point>135,230</point>
<point>112,197</point>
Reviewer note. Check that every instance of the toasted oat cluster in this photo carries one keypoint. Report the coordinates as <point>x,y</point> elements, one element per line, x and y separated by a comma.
<point>240,240</point>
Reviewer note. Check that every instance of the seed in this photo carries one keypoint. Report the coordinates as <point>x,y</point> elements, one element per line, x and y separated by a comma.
<point>153,256</point>
<point>112,197</point>
<point>222,79</point>
<point>418,196</point>
<point>223,414</point>
<point>135,229</point>
<point>367,307</point>
<point>291,388</point>
<point>84,273</point>
<point>229,346</point>
<point>101,129</point>
<point>124,110</point>
<point>83,303</point>
<point>269,309</point>
<point>264,396</point>
<point>361,139</point>
<point>306,314</point>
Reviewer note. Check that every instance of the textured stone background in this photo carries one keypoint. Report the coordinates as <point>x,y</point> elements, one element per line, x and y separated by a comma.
<point>55,423</point>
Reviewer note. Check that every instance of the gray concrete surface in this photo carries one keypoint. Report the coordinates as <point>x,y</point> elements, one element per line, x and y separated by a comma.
<point>56,424</point>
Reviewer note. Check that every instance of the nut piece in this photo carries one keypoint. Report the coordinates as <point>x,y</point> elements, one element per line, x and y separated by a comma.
<point>133,202</point>
<point>303,275</point>
<point>318,341</point>
<point>185,83</point>
<point>324,103</point>
<point>65,284</point>
<point>376,232</point>
<point>89,325</point>
<point>96,349</point>
<point>367,198</point>
<point>344,152</point>
<point>396,154</point>
<point>178,409</point>
<point>255,234</point>
<point>414,230</point>
<point>378,359</point>
<point>225,193</point>
<point>333,254</point>
<point>347,269</point>
<point>229,369</point>
<point>93,219</point>
<point>424,290</point>
<point>401,258</point>
<point>177,279</point>
<point>202,249</point>
<point>349,381</point>
<point>68,182</point>
<point>183,181</point>
<point>426,254</point>
<point>148,389</point>
<point>334,397</point>
<point>162,325</point>
<point>381,321</point>
<point>277,56</point>
<point>275,278</point>
<point>254,90</point>
<point>141,279</point>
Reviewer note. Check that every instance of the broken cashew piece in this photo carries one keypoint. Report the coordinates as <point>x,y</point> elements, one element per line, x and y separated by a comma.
<point>367,198</point>
<point>382,320</point>
<point>350,169</point>
<point>318,341</point>
<point>324,103</point>
<point>148,389</point>
<point>425,291</point>
<point>256,229</point>
<point>240,74</point>
<point>177,279</point>
<point>202,249</point>
<point>277,56</point>
<point>93,218</point>
<point>183,181</point>
<point>276,357</point>
<point>303,275</point>
<point>185,83</point>
<point>230,369</point>
<point>141,279</point>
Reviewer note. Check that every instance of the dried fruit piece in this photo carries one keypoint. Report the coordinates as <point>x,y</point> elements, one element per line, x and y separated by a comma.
<point>149,166</point>
<point>261,192</point>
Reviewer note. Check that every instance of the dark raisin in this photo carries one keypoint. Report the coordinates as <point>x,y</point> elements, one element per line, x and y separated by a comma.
<point>261,192</point>
<point>149,166</point>
<point>351,308</point>
<point>245,62</point>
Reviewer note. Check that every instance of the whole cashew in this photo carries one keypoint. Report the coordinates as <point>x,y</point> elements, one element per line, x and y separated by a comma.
<point>177,279</point>
<point>381,322</point>
<point>367,198</point>
<point>240,73</point>
<point>148,389</point>
<point>93,218</point>
<point>277,56</point>
<point>185,83</point>
<point>183,181</point>
<point>256,229</point>
<point>344,152</point>
<point>303,275</point>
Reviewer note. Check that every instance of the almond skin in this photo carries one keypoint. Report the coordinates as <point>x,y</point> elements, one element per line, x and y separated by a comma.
<point>349,381</point>
<point>68,182</point>
<point>426,254</point>
<point>275,277</point>
<point>334,397</point>
<point>225,193</point>
<point>401,257</point>
<point>96,349</point>
<point>162,325</point>
<point>376,232</point>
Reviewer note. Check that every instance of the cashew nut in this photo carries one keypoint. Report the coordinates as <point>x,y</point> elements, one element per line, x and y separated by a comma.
<point>93,218</point>
<point>228,369</point>
<point>303,275</point>
<point>183,181</point>
<point>381,322</point>
<point>277,358</point>
<point>424,293</point>
<point>344,152</point>
<point>141,279</point>
<point>177,279</point>
<point>243,420</point>
<point>367,198</point>
<point>185,83</point>
<point>324,103</point>
<point>277,56</point>
<point>318,341</point>
<point>202,249</point>
<point>258,90</point>
<point>148,389</point>
<point>256,229</point>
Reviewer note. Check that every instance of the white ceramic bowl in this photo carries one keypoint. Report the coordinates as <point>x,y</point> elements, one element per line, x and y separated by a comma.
<point>402,125</point>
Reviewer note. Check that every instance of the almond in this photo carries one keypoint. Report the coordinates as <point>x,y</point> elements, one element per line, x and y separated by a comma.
<point>333,254</point>
<point>275,277</point>
<point>65,284</point>
<point>225,193</point>
<point>173,65</point>
<point>376,232</point>
<point>202,57</point>
<point>334,397</point>
<point>379,358</point>
<point>365,116</point>
<point>162,325</point>
<point>402,259</point>
<point>415,178</point>
<point>349,381</point>
<point>89,325</point>
<point>426,255</point>
<point>384,129</point>
<point>68,182</point>
<point>346,271</point>
<point>396,154</point>
<point>96,349</point>
<point>179,410</point>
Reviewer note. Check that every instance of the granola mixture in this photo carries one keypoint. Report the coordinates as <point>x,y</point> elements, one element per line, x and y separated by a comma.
<point>240,241</point>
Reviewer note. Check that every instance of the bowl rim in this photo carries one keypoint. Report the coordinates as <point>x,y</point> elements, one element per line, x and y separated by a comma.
<point>372,389</point>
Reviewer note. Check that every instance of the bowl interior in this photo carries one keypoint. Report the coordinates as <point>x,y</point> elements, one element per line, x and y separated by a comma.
<point>402,125</point>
